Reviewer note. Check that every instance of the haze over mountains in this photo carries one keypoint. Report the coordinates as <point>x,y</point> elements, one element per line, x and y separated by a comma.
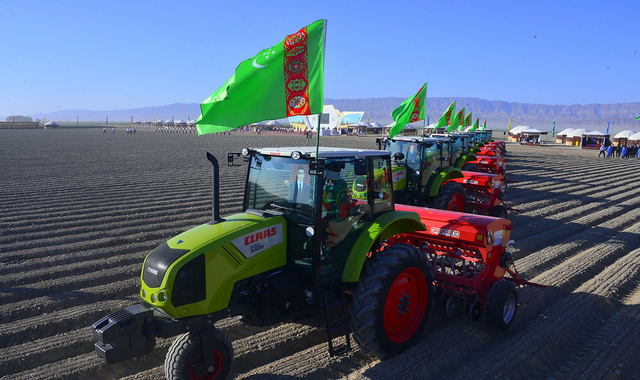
<point>497,113</point>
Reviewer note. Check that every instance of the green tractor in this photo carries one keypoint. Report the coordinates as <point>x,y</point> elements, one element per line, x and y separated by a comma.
<point>422,172</point>
<point>289,254</point>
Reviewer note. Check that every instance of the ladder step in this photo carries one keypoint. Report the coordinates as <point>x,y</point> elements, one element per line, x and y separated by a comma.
<point>342,326</point>
<point>341,350</point>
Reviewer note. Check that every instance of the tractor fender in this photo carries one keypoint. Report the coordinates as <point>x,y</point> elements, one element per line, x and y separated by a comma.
<point>464,159</point>
<point>441,177</point>
<point>474,150</point>
<point>382,228</point>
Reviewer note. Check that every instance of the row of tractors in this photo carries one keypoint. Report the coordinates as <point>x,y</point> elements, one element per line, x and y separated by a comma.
<point>371,238</point>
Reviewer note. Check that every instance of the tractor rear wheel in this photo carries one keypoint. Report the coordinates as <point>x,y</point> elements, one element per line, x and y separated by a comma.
<point>392,300</point>
<point>501,306</point>
<point>451,197</point>
<point>185,358</point>
<point>499,212</point>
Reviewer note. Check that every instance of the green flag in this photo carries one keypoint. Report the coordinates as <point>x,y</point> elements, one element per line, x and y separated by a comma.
<point>484,125</point>
<point>284,80</point>
<point>468,119</point>
<point>460,120</point>
<point>455,121</point>
<point>475,125</point>
<point>445,119</point>
<point>638,118</point>
<point>409,111</point>
<point>553,131</point>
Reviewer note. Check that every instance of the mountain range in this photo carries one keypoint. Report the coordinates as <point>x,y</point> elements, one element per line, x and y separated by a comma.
<point>592,116</point>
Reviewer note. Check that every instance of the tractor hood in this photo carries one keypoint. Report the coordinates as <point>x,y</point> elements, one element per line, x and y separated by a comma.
<point>199,267</point>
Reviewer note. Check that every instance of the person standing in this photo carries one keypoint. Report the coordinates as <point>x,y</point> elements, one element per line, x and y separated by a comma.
<point>602,151</point>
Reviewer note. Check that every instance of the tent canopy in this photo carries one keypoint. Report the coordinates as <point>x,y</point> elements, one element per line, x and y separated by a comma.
<point>624,134</point>
<point>595,133</point>
<point>577,132</point>
<point>565,132</point>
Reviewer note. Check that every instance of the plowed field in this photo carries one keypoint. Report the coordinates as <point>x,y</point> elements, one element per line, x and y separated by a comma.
<point>80,210</point>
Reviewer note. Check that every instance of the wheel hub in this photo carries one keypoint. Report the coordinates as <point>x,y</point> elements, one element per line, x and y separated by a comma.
<point>403,304</point>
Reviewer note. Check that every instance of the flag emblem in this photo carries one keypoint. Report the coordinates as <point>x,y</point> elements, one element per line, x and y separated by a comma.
<point>296,76</point>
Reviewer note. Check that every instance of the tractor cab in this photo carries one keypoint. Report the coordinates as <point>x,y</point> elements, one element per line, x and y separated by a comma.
<point>416,160</point>
<point>325,201</point>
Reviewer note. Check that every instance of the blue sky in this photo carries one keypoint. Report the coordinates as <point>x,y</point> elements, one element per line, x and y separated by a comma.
<point>107,55</point>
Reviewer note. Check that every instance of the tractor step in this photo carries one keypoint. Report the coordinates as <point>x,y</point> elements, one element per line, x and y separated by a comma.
<point>340,327</point>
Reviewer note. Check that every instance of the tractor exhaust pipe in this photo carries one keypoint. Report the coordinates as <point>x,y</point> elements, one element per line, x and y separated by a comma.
<point>215,209</point>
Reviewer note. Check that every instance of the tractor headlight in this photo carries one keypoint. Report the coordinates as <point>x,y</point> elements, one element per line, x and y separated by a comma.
<point>153,298</point>
<point>162,297</point>
<point>144,293</point>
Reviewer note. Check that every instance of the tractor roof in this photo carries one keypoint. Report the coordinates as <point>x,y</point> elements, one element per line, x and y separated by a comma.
<point>419,139</point>
<point>326,152</point>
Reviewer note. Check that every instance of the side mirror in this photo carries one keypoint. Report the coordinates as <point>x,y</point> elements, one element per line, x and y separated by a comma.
<point>360,167</point>
<point>398,156</point>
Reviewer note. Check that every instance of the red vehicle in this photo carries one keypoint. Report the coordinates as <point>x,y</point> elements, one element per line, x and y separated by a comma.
<point>485,193</point>
<point>471,264</point>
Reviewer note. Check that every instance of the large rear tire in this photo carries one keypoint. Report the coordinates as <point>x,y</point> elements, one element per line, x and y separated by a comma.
<point>392,300</point>
<point>452,197</point>
<point>185,358</point>
<point>501,306</point>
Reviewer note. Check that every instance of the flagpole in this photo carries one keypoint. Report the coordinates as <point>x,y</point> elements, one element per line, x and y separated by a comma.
<point>318,140</point>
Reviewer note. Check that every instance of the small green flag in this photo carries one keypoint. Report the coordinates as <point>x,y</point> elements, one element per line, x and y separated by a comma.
<point>460,119</point>
<point>484,125</point>
<point>445,119</point>
<point>409,111</point>
<point>455,121</point>
<point>281,81</point>
<point>638,118</point>
<point>475,125</point>
<point>468,120</point>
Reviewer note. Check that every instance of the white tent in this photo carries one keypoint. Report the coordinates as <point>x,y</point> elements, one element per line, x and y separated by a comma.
<point>594,133</point>
<point>565,132</point>
<point>624,134</point>
<point>577,132</point>
<point>273,123</point>
<point>635,137</point>
<point>518,129</point>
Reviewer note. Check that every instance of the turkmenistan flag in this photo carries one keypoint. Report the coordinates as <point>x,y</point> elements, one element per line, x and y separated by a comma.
<point>455,121</point>
<point>468,120</point>
<point>475,125</point>
<point>484,125</point>
<point>638,118</point>
<point>445,119</point>
<point>409,111</point>
<point>460,120</point>
<point>284,80</point>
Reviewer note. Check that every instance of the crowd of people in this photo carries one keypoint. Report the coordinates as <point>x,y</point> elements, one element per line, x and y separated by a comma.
<point>620,151</point>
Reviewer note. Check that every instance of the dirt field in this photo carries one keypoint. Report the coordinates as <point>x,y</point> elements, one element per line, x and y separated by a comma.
<point>80,210</point>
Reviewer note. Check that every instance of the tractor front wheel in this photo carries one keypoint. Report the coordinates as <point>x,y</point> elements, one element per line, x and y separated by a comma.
<point>499,212</point>
<point>501,306</point>
<point>392,300</point>
<point>470,167</point>
<point>451,197</point>
<point>185,359</point>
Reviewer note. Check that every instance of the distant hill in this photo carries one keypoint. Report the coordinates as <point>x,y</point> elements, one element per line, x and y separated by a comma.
<point>497,113</point>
